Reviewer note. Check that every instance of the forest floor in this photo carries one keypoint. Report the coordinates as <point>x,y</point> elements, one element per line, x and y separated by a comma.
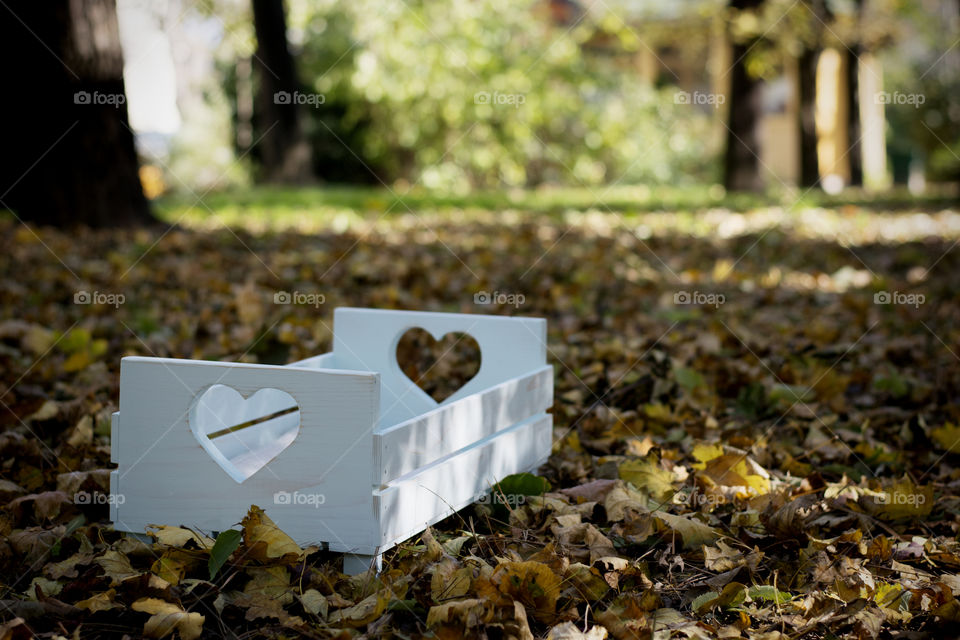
<point>756,418</point>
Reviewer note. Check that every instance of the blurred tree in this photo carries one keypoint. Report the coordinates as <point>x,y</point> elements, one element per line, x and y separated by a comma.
<point>807,90</point>
<point>70,156</point>
<point>461,94</point>
<point>741,166</point>
<point>852,53</point>
<point>281,145</point>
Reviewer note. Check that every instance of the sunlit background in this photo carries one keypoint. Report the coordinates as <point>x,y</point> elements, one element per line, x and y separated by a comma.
<point>485,94</point>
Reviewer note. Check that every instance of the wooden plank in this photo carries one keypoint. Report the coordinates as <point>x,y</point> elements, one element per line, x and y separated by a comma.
<point>115,437</point>
<point>416,501</point>
<point>367,339</point>
<point>167,477</point>
<point>322,361</point>
<point>416,443</point>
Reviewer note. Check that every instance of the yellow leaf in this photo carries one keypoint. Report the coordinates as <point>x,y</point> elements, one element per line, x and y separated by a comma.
<point>947,437</point>
<point>99,602</point>
<point>738,472</point>
<point>693,532</point>
<point>178,536</point>
<point>314,602</point>
<point>269,583</point>
<point>587,581</point>
<point>449,580</point>
<point>173,565</point>
<point>622,497</point>
<point>167,618</point>
<point>77,361</point>
<point>532,583</point>
<point>116,566</point>
<point>569,631</point>
<point>470,613</point>
<point>265,541</point>
<point>364,612</point>
<point>648,476</point>
<point>903,499</point>
<point>705,452</point>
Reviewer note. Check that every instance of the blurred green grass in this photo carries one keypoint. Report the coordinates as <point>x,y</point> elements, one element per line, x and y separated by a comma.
<point>278,205</point>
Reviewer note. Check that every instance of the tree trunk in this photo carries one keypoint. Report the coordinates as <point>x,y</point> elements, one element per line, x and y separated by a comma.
<point>281,145</point>
<point>70,156</point>
<point>741,166</point>
<point>853,116</point>
<point>854,129</point>
<point>807,93</point>
<point>807,121</point>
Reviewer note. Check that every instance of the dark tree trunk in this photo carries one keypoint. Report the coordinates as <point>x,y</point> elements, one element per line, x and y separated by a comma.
<point>281,145</point>
<point>853,116</point>
<point>69,156</point>
<point>807,93</point>
<point>854,130</point>
<point>807,121</point>
<point>741,165</point>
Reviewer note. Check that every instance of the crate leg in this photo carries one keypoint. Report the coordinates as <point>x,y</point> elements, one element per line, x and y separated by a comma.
<point>358,563</point>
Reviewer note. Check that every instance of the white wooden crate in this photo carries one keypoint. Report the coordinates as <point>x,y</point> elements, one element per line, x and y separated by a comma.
<point>367,460</point>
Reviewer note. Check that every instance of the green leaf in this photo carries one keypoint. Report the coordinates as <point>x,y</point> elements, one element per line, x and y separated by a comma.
<point>512,491</point>
<point>791,393</point>
<point>768,592</point>
<point>689,379</point>
<point>226,543</point>
<point>523,484</point>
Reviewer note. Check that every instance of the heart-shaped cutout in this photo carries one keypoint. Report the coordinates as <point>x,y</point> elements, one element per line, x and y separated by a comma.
<point>243,434</point>
<point>439,367</point>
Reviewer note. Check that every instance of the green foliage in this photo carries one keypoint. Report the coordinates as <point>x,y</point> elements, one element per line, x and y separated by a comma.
<point>488,93</point>
<point>227,542</point>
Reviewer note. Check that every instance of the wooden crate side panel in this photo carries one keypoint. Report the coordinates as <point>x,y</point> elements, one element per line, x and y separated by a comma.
<point>367,339</point>
<point>411,504</point>
<point>322,361</point>
<point>418,442</point>
<point>165,476</point>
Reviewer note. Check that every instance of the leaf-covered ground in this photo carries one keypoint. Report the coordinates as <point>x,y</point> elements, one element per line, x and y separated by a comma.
<point>756,424</point>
